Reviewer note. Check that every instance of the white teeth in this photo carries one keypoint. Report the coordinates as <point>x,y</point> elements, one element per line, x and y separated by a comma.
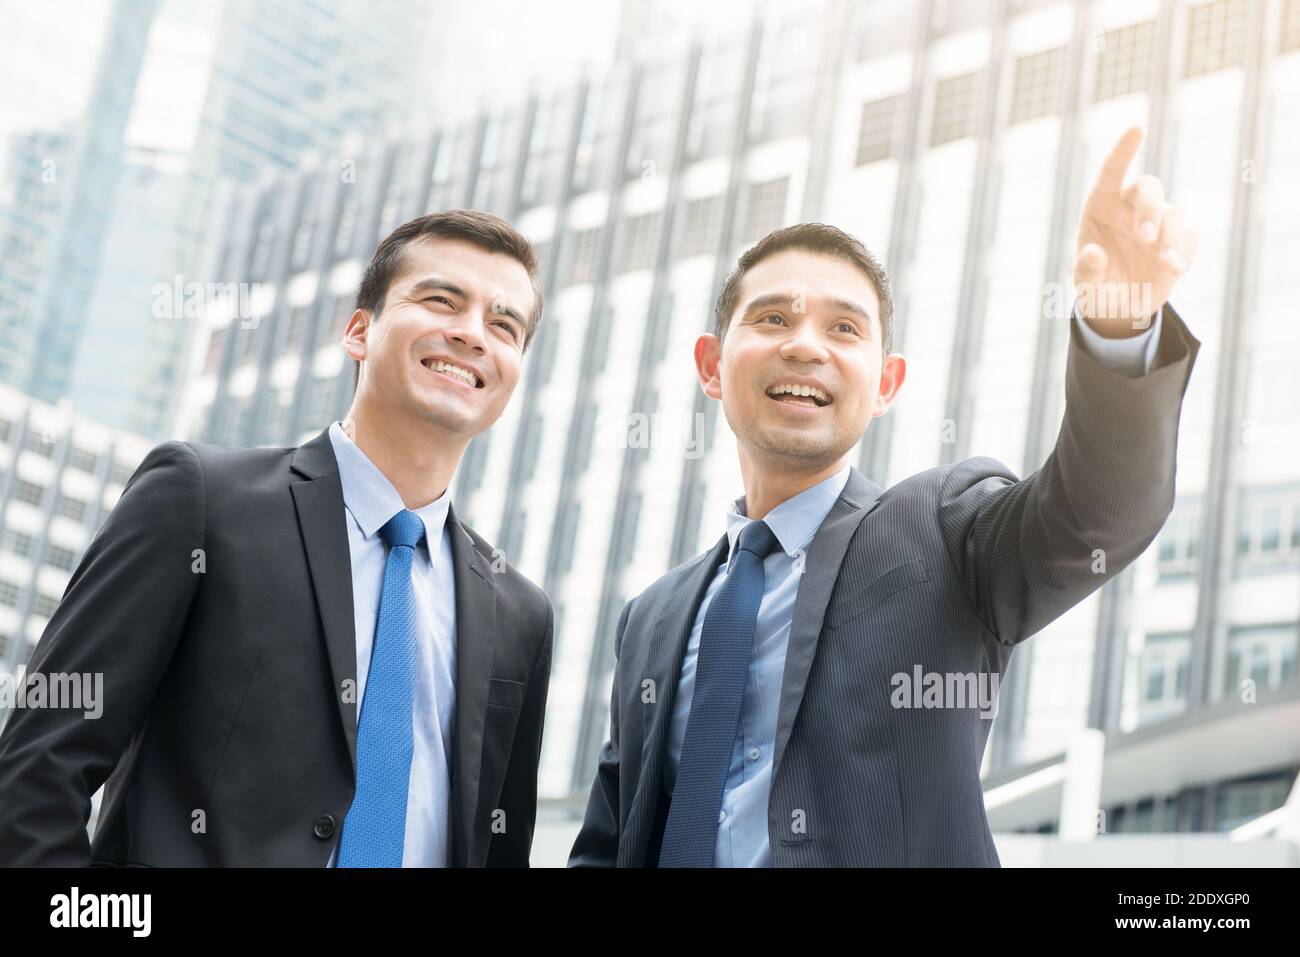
<point>437,365</point>
<point>801,390</point>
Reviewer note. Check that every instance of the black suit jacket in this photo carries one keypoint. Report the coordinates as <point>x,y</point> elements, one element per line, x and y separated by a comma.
<point>227,735</point>
<point>948,571</point>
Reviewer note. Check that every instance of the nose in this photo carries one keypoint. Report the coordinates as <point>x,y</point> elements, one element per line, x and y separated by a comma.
<point>804,343</point>
<point>468,330</point>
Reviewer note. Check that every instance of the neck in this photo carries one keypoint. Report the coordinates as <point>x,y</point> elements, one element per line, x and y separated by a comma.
<point>419,462</point>
<point>768,485</point>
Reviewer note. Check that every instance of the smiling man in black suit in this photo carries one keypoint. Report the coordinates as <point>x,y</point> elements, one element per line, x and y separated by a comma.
<point>307,658</point>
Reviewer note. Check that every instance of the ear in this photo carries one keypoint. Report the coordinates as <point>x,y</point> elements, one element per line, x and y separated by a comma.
<point>708,356</point>
<point>891,380</point>
<point>355,334</point>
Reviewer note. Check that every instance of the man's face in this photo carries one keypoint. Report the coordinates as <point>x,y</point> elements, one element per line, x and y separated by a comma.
<point>448,344</point>
<point>804,322</point>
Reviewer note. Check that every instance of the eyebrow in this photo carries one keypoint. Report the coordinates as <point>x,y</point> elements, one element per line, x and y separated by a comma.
<point>438,284</point>
<point>780,299</point>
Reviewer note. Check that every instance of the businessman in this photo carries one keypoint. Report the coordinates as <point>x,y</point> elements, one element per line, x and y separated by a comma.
<point>307,658</point>
<point>757,715</point>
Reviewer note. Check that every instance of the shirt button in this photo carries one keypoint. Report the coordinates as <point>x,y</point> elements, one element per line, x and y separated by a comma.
<point>753,754</point>
<point>722,816</point>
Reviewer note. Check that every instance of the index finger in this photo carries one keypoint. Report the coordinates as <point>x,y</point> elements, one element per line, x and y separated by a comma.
<point>1116,164</point>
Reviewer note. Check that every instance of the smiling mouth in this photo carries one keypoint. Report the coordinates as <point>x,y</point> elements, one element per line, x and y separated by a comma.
<point>809,396</point>
<point>459,373</point>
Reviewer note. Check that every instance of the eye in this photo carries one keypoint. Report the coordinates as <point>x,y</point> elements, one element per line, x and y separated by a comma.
<point>442,299</point>
<point>848,327</point>
<point>509,327</point>
<point>772,315</point>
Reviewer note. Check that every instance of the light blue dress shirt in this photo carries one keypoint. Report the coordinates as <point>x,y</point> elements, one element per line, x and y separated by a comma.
<point>369,501</point>
<point>742,821</point>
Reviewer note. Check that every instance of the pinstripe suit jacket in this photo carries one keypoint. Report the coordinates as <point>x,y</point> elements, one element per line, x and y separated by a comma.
<point>947,570</point>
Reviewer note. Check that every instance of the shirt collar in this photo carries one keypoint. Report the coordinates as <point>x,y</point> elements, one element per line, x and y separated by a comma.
<point>795,521</point>
<point>371,498</point>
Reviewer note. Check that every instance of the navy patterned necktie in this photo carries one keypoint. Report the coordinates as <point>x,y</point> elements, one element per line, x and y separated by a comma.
<point>721,672</point>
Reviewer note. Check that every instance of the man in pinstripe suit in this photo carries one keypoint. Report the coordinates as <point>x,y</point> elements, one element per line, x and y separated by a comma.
<point>761,713</point>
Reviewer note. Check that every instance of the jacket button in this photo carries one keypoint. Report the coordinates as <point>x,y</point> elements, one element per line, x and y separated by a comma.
<point>324,827</point>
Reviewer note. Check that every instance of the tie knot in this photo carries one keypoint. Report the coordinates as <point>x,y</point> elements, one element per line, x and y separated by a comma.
<point>758,538</point>
<point>404,528</point>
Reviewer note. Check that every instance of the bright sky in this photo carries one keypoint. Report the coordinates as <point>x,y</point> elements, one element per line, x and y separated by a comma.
<point>47,58</point>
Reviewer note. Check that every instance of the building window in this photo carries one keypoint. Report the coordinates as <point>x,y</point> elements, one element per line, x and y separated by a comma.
<point>302,245</point>
<point>542,253</point>
<point>70,507</point>
<point>84,460</point>
<point>276,413</point>
<point>878,134</point>
<point>388,212</point>
<point>765,210</point>
<point>1163,674</point>
<point>1263,654</point>
<point>320,396</point>
<point>334,320</point>
<point>295,331</point>
<point>120,473</point>
<point>1036,91</point>
<point>1241,802</point>
<point>1178,545</point>
<point>1216,36</point>
<point>1268,528</point>
<point>28,492</point>
<point>9,593</point>
<point>702,226</point>
<point>346,229</point>
<point>45,605</point>
<point>956,108</point>
<point>247,342</point>
<point>260,265</point>
<point>1124,61</point>
<point>37,442</point>
<point>64,559</point>
<point>18,542</point>
<point>640,236</point>
<point>584,254</point>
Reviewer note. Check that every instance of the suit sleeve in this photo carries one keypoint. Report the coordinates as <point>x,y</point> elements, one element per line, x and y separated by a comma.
<point>121,617</point>
<point>1026,550</point>
<point>512,849</point>
<point>597,842</point>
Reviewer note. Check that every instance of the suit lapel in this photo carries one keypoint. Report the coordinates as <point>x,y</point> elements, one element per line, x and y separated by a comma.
<point>663,665</point>
<point>821,568</point>
<point>319,505</point>
<point>476,607</point>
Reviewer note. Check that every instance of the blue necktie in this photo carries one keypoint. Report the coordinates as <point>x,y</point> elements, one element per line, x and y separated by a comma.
<point>374,830</point>
<point>721,672</point>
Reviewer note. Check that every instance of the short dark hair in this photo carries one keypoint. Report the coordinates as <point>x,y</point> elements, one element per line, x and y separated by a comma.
<point>482,229</point>
<point>814,238</point>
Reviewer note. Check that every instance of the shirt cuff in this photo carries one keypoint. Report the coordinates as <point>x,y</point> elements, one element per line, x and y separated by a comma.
<point>1132,356</point>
